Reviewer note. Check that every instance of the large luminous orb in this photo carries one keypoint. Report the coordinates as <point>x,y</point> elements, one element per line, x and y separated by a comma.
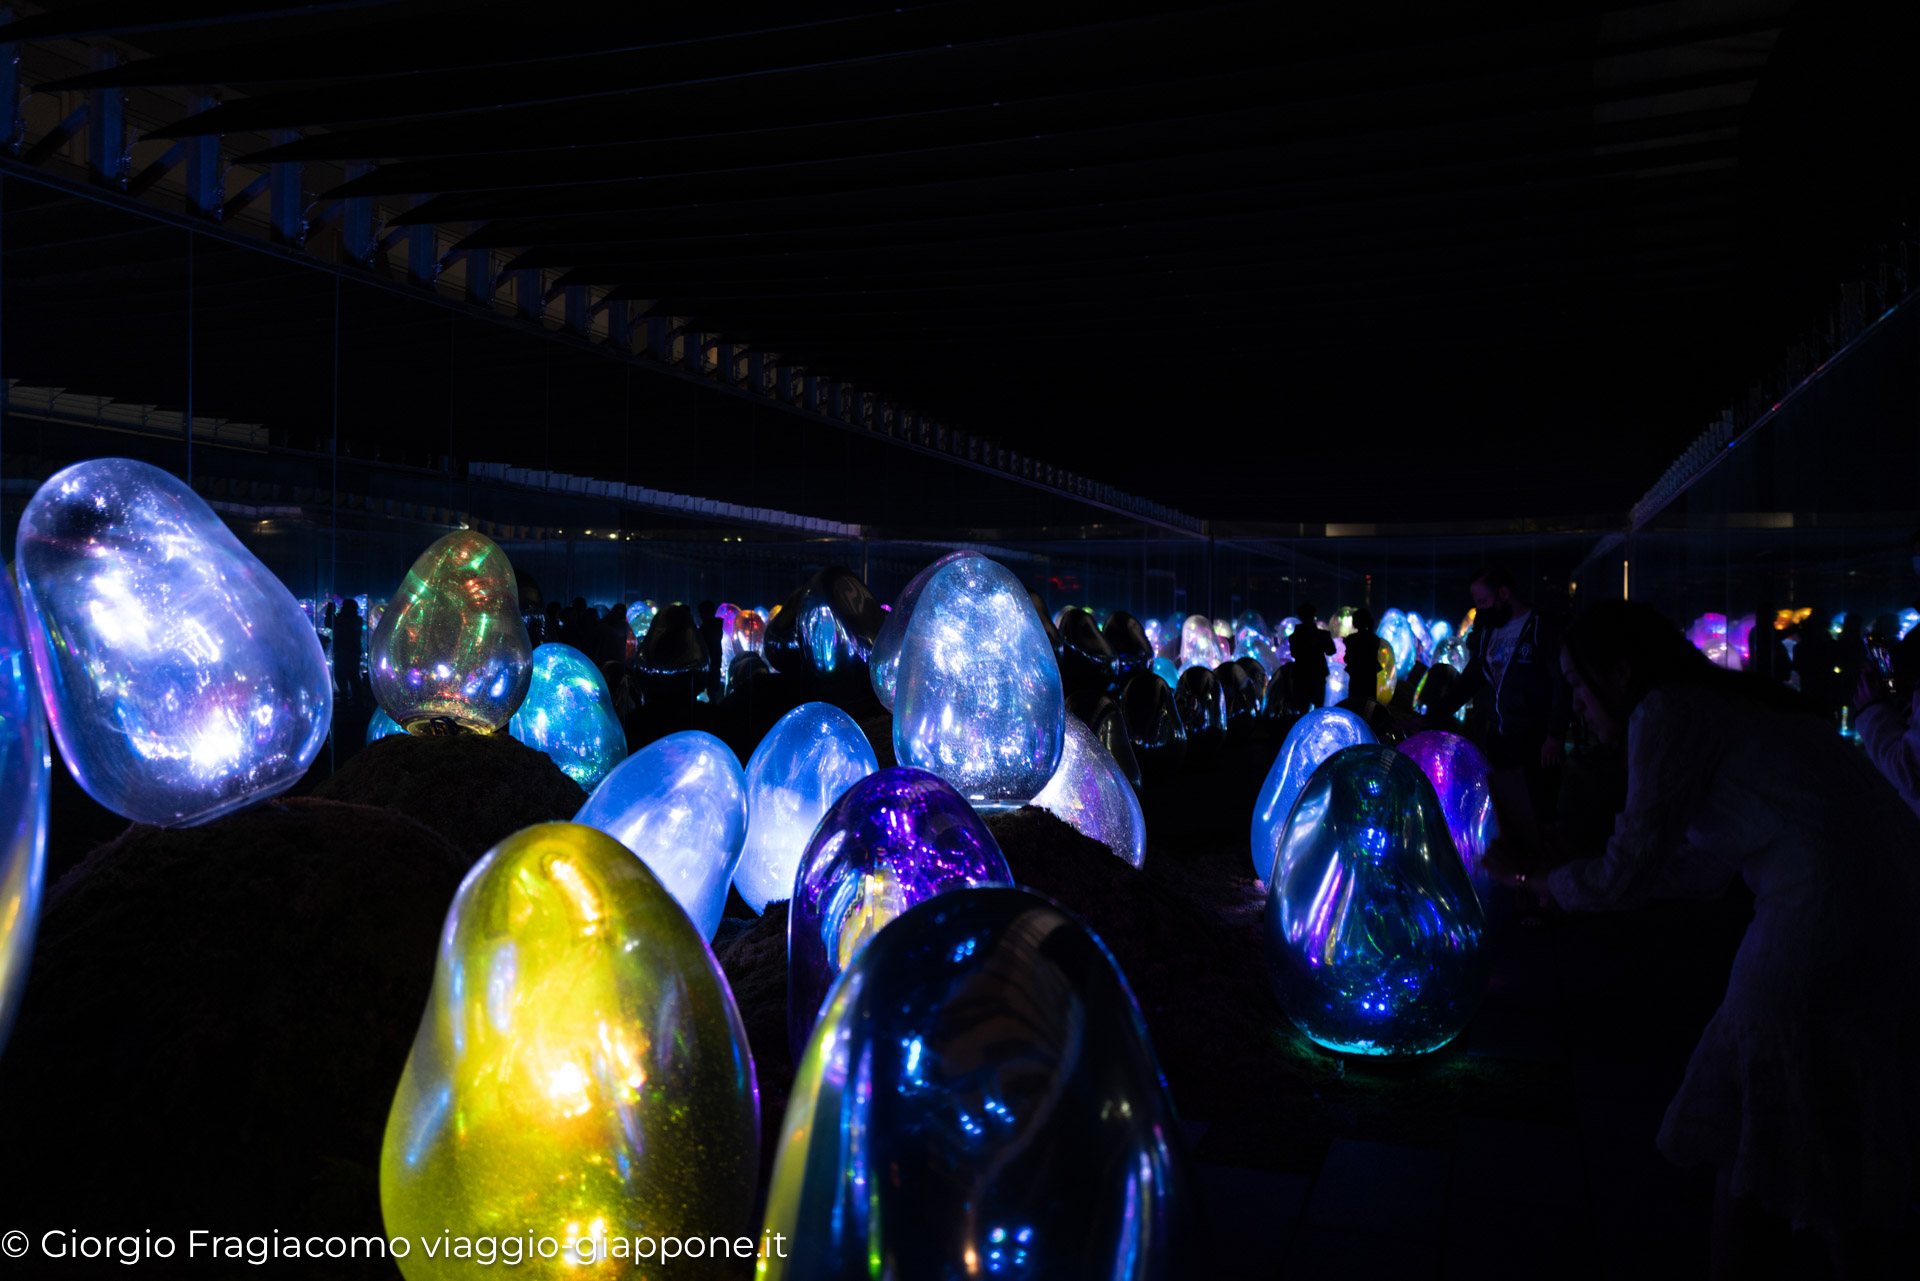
<point>568,714</point>
<point>1090,792</point>
<point>580,1072</point>
<point>1375,941</point>
<point>181,678</point>
<point>1153,725</point>
<point>1459,773</point>
<point>894,838</point>
<point>1397,633</point>
<point>884,664</point>
<point>810,757</point>
<point>640,616</point>
<point>1199,647</point>
<point>1203,707</point>
<point>452,648</point>
<point>1313,738</point>
<point>680,803</point>
<point>381,725</point>
<point>979,700</point>
<point>24,789</point>
<point>826,630</point>
<point>981,1100</point>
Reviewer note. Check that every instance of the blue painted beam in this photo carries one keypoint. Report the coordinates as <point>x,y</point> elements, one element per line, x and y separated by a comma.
<point>286,197</point>
<point>107,157</point>
<point>206,177</point>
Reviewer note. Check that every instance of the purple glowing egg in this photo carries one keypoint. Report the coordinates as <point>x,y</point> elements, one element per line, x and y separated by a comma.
<point>1458,773</point>
<point>893,839</point>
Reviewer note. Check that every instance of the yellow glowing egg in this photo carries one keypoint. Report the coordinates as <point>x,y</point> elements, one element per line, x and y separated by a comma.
<point>580,1086</point>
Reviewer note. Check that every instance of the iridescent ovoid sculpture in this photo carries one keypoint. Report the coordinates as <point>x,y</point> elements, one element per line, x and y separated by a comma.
<point>1100,713</point>
<point>1203,708</point>
<point>1282,648</point>
<point>580,1072</point>
<point>180,677</point>
<point>1153,725</point>
<point>451,652</point>
<point>1258,646</point>
<point>1459,773</point>
<point>1314,737</point>
<point>680,803</point>
<point>1132,648</point>
<point>381,725</point>
<point>568,714</point>
<point>981,1100</point>
<point>640,616</point>
<point>1237,693</point>
<point>1156,634</point>
<point>979,700</point>
<point>1089,792</point>
<point>1397,634</point>
<point>1223,638</point>
<point>1375,940</point>
<point>893,839</point>
<point>1199,647</point>
<point>1709,635</point>
<point>825,632</point>
<point>1086,660</point>
<point>1167,670</point>
<point>25,785</point>
<point>1257,678</point>
<point>882,666</point>
<point>807,761</point>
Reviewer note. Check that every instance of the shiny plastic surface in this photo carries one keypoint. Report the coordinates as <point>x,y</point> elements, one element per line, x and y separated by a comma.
<point>1153,725</point>
<point>452,648</point>
<point>1397,632</point>
<point>1168,671</point>
<point>1203,708</point>
<point>807,761</point>
<point>979,700</point>
<point>381,725</point>
<point>680,803</point>
<point>640,616</point>
<point>672,649</point>
<point>1237,691</point>
<point>826,630</point>
<point>895,838</point>
<point>1086,660</point>
<point>1199,646</point>
<point>1459,773</point>
<point>1313,738</point>
<point>1131,645</point>
<point>1090,792</point>
<point>981,1100</point>
<point>884,663</point>
<point>1374,938</point>
<point>1101,714</point>
<point>181,679</point>
<point>25,786</point>
<point>568,714</point>
<point>581,1071</point>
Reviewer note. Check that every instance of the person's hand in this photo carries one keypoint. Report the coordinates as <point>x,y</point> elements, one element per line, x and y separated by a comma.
<point>1553,754</point>
<point>1871,689</point>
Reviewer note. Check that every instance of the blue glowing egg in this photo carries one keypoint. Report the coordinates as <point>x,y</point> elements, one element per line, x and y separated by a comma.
<point>1459,776</point>
<point>1397,632</point>
<point>884,664</point>
<point>894,838</point>
<point>24,789</point>
<point>680,804</point>
<point>823,635</point>
<point>1167,670</point>
<point>568,714</point>
<point>979,700</point>
<point>181,678</point>
<point>1090,792</point>
<point>810,757</point>
<point>981,1100</point>
<point>1374,938</point>
<point>382,725</point>
<point>640,616</point>
<point>1313,738</point>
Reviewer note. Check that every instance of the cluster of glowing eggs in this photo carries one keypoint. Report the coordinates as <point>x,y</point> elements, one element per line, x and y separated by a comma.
<point>883,666</point>
<point>1459,774</point>
<point>1090,792</point>
<point>978,699</point>
<point>451,652</point>
<point>25,785</point>
<point>806,762</point>
<point>981,1099</point>
<point>181,679</point>
<point>580,1073</point>
<point>680,804</point>
<point>894,838</point>
<point>568,714</point>
<point>1374,937</point>
<point>1314,737</point>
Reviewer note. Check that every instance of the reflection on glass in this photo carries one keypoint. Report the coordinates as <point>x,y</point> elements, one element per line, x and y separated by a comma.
<point>24,789</point>
<point>1090,792</point>
<point>568,714</point>
<point>1313,738</point>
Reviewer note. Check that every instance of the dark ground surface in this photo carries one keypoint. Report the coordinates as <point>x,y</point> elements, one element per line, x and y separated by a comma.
<point>216,1019</point>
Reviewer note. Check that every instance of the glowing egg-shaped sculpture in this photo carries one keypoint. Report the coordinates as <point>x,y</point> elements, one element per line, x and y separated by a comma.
<point>1257,678</point>
<point>672,652</point>
<point>1153,726</point>
<point>1709,635</point>
<point>24,788</point>
<point>451,652</point>
<point>381,725</point>
<point>640,616</point>
<point>1397,633</point>
<point>568,714</point>
<point>1086,660</point>
<point>180,677</point>
<point>1282,643</point>
<point>981,1100</point>
<point>1203,708</point>
<point>1237,692</point>
<point>1459,774</point>
<point>1223,638</point>
<point>1313,738</point>
<point>1131,646</point>
<point>807,761</point>
<point>893,839</point>
<point>1156,634</point>
<point>1374,937</point>
<point>1167,670</point>
<point>1101,714</point>
<point>1090,793</point>
<point>680,804</point>
<point>979,700</point>
<point>1258,646</point>
<point>824,634</point>
<point>1199,647</point>
<point>581,1072</point>
<point>885,661</point>
<point>1385,675</point>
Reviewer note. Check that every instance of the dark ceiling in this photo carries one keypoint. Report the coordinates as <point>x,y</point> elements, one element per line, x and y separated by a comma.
<point>1260,261</point>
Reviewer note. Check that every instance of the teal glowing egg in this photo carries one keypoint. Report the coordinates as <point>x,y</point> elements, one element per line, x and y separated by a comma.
<point>810,757</point>
<point>382,725</point>
<point>1313,738</point>
<point>1090,792</point>
<point>979,700</point>
<point>24,788</point>
<point>1375,942</point>
<point>568,714</point>
<point>1167,670</point>
<point>181,679</point>
<point>883,666</point>
<point>680,804</point>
